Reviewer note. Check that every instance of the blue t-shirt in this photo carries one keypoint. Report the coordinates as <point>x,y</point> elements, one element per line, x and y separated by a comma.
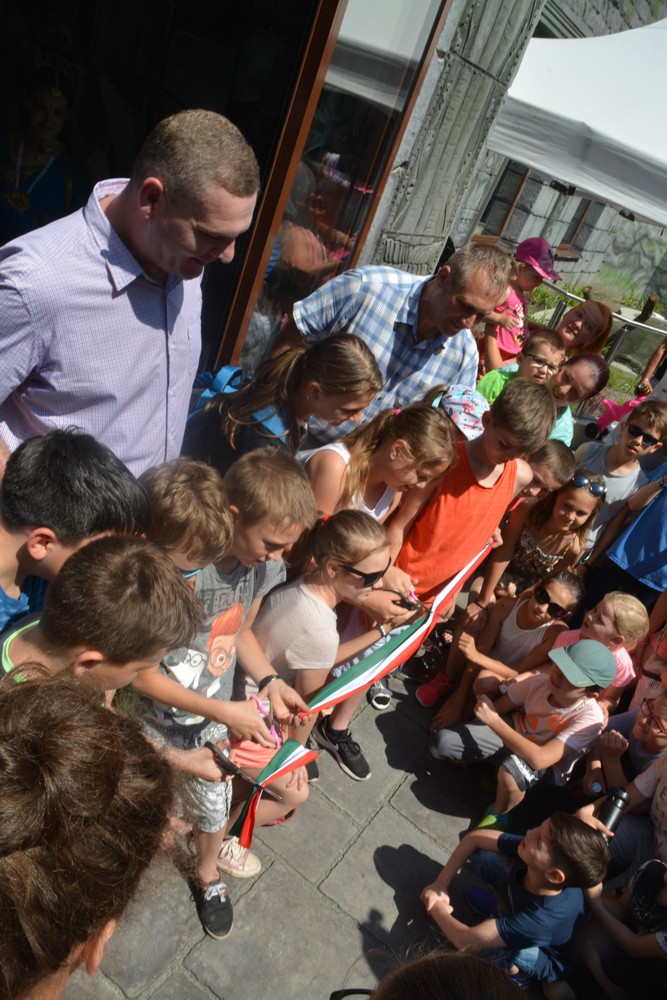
<point>546,922</point>
<point>11,608</point>
<point>640,550</point>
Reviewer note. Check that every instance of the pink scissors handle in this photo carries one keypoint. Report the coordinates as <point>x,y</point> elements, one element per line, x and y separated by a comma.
<point>270,725</point>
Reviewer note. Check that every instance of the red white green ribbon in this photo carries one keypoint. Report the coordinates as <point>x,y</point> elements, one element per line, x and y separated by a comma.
<point>376,664</point>
<point>398,647</point>
<point>290,756</point>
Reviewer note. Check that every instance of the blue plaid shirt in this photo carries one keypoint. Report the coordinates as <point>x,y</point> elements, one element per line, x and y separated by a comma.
<point>380,305</point>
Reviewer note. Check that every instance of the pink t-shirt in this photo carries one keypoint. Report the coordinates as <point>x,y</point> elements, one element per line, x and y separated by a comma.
<point>511,341</point>
<point>539,721</point>
<point>652,783</point>
<point>625,672</point>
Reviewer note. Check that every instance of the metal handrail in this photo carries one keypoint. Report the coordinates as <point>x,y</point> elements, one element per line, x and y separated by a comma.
<point>560,309</point>
<point>629,325</point>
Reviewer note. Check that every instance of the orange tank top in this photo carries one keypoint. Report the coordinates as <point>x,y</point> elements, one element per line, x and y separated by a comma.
<point>455,525</point>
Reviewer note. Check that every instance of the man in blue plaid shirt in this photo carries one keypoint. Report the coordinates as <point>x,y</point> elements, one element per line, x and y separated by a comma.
<point>419,329</point>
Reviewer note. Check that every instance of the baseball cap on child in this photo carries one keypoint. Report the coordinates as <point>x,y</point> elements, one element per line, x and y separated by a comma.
<point>537,253</point>
<point>585,662</point>
<point>465,408</point>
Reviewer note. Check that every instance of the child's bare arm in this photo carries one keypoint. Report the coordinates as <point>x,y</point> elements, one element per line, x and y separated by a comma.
<point>537,757</point>
<point>241,717</point>
<point>327,473</point>
<point>475,840</point>
<point>436,899</point>
<point>406,515</point>
<point>492,357</point>
<point>502,556</point>
<point>287,704</point>
<point>637,945</point>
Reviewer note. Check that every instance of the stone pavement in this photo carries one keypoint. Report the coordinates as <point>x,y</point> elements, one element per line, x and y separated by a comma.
<point>338,893</point>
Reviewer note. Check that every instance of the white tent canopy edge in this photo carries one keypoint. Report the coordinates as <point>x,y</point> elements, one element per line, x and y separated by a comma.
<point>588,111</point>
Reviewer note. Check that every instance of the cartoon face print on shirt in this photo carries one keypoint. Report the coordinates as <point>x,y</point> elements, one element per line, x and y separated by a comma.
<point>222,640</point>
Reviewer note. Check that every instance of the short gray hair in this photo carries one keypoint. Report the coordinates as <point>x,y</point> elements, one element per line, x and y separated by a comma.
<point>497,265</point>
<point>194,149</point>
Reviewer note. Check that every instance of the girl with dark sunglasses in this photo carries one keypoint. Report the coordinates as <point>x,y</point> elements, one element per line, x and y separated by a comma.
<point>545,534</point>
<point>516,637</point>
<point>340,560</point>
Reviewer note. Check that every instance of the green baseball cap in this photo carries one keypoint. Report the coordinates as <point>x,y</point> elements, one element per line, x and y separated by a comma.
<point>585,662</point>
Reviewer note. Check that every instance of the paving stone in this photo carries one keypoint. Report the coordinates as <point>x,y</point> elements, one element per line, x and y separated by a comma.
<point>441,799</point>
<point>288,942</point>
<point>314,840</point>
<point>407,704</point>
<point>84,987</point>
<point>379,880</point>
<point>161,924</point>
<point>391,743</point>
<point>180,987</point>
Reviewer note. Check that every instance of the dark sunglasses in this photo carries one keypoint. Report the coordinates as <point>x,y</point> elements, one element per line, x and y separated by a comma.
<point>342,994</point>
<point>647,711</point>
<point>541,595</point>
<point>369,579</point>
<point>635,431</point>
<point>579,481</point>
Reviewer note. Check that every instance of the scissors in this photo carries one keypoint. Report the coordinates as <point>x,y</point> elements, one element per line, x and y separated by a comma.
<point>228,767</point>
<point>411,603</point>
<point>268,719</point>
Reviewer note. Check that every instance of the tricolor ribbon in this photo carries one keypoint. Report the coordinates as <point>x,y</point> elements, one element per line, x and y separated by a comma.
<point>290,756</point>
<point>396,649</point>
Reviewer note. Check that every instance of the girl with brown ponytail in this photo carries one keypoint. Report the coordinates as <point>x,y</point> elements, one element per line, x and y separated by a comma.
<point>334,379</point>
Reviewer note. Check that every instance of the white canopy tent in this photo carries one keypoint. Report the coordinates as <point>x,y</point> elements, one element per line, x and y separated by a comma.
<point>589,112</point>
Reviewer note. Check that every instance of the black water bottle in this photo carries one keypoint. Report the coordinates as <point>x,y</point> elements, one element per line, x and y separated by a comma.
<point>612,809</point>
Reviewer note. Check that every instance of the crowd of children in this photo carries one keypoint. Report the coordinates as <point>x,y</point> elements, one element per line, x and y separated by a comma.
<point>229,594</point>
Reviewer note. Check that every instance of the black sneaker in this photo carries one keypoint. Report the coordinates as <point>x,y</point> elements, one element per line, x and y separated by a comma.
<point>214,908</point>
<point>345,750</point>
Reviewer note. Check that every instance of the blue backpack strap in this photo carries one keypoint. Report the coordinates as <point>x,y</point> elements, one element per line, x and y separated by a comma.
<point>229,379</point>
<point>269,418</point>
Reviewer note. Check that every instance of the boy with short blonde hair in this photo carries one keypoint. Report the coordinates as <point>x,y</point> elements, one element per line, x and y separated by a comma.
<point>247,521</point>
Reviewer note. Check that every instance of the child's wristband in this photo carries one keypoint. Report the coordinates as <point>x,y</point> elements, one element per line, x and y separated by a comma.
<point>265,681</point>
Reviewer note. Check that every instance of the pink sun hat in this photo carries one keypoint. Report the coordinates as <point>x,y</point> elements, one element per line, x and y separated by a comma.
<point>537,253</point>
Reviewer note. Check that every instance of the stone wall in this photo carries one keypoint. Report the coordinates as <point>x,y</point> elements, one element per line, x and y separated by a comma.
<point>477,58</point>
<point>444,176</point>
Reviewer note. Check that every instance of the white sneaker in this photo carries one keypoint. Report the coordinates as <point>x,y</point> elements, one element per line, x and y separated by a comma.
<point>237,861</point>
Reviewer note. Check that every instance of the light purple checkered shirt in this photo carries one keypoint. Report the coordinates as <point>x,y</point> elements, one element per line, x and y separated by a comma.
<point>380,305</point>
<point>88,340</point>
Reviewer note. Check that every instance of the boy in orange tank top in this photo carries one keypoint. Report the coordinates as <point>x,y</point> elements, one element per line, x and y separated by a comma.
<point>439,529</point>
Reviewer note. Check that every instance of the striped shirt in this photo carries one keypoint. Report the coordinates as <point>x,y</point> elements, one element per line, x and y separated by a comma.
<point>88,340</point>
<point>380,305</point>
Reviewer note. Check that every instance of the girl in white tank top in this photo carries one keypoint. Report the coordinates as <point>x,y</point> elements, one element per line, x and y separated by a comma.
<point>373,467</point>
<point>516,638</point>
